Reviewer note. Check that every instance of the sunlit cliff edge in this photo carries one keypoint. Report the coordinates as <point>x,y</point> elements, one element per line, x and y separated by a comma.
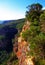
<point>23,48</point>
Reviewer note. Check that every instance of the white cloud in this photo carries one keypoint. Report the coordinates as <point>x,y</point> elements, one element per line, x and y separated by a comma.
<point>43,8</point>
<point>6,14</point>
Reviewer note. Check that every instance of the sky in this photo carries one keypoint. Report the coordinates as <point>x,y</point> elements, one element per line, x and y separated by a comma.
<point>15,9</point>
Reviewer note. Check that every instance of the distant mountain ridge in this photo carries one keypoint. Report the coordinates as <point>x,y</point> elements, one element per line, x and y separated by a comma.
<point>11,24</point>
<point>11,21</point>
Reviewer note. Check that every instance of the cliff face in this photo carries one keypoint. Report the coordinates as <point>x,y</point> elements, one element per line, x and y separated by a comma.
<point>23,48</point>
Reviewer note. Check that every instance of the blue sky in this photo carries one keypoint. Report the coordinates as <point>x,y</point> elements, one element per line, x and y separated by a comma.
<point>15,9</point>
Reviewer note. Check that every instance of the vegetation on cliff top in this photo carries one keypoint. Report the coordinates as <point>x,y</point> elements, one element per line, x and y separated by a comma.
<point>35,36</point>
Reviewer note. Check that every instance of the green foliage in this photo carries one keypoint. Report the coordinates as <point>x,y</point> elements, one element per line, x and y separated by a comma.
<point>36,34</point>
<point>36,7</point>
<point>33,12</point>
<point>37,43</point>
<point>15,62</point>
<point>20,25</point>
<point>42,22</point>
<point>1,37</point>
<point>42,16</point>
<point>35,28</point>
<point>4,57</point>
<point>40,62</point>
<point>36,23</point>
<point>26,34</point>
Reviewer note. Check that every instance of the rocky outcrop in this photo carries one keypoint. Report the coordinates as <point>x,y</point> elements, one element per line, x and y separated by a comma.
<point>23,48</point>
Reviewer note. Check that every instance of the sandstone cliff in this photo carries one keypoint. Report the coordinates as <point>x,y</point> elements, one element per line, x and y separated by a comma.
<point>23,48</point>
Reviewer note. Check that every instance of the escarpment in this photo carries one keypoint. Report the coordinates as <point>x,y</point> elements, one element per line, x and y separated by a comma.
<point>22,48</point>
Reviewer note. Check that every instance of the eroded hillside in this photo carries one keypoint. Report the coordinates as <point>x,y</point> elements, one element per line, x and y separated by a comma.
<point>23,48</point>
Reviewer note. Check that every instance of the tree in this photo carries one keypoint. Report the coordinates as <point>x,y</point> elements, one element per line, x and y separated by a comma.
<point>33,12</point>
